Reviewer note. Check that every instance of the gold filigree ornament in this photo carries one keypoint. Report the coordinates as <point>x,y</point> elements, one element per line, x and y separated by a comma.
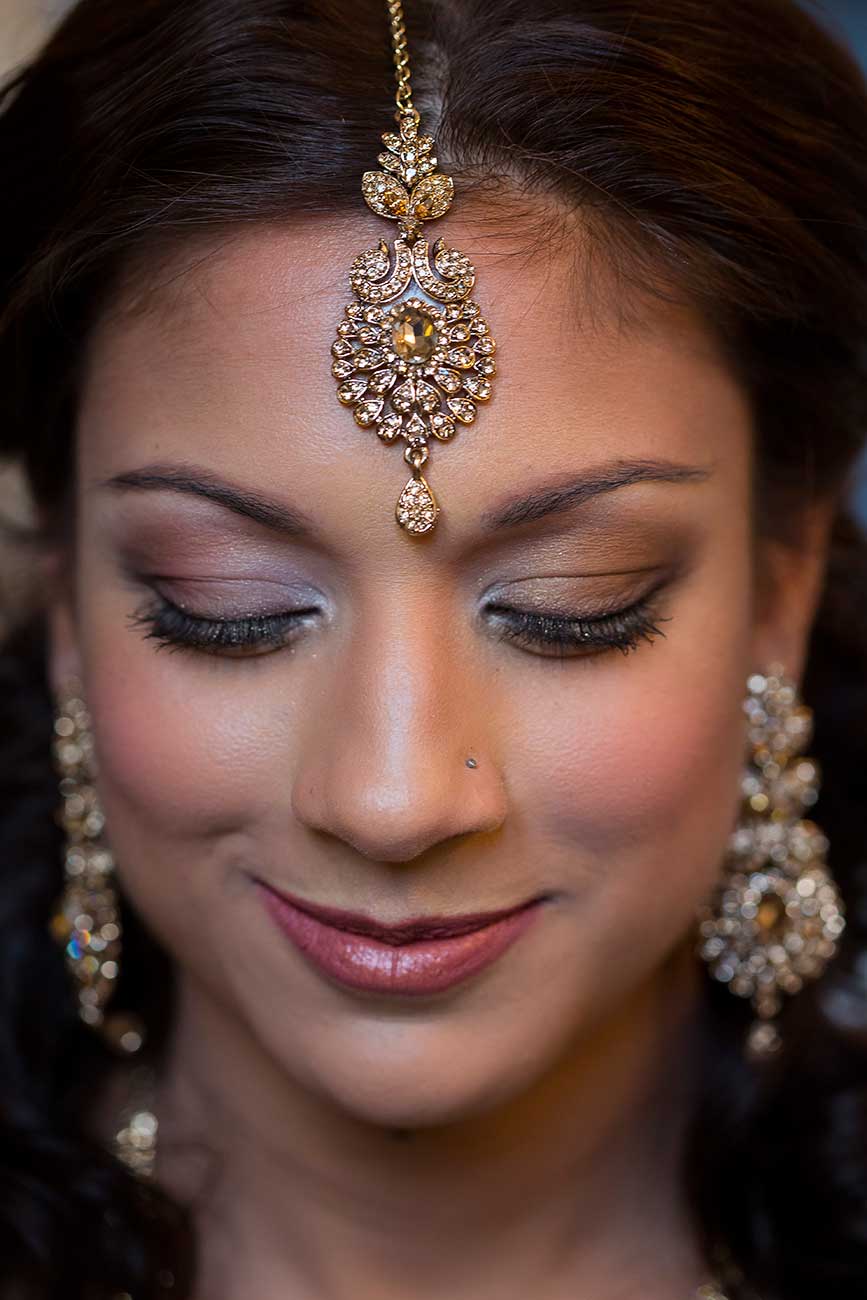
<point>776,916</point>
<point>413,366</point>
<point>86,920</point>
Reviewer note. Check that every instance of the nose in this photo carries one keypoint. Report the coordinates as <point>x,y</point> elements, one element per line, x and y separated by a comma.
<point>384,762</point>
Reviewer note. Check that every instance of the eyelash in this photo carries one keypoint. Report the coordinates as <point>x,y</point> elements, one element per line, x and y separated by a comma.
<point>174,629</point>
<point>620,629</point>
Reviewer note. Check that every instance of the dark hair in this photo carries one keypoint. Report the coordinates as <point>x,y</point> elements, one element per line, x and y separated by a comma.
<point>712,146</point>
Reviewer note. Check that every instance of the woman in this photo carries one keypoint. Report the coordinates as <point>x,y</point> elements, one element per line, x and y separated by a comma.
<point>465,956</point>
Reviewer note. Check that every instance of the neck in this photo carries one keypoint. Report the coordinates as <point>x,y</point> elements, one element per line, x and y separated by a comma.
<point>572,1188</point>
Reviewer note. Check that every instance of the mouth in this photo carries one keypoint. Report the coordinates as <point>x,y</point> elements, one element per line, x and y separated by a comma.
<point>420,955</point>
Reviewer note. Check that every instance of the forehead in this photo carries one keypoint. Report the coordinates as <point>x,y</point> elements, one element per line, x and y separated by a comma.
<point>221,355</point>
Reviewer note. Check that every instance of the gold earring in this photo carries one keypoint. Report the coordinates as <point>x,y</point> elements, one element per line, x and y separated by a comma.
<point>776,915</point>
<point>87,920</point>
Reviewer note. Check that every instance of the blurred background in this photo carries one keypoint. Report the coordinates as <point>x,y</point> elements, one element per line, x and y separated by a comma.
<point>24,23</point>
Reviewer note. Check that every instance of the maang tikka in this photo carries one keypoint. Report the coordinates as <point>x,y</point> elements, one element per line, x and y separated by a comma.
<point>412,367</point>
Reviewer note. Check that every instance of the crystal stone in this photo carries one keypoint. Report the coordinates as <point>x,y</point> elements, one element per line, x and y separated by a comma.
<point>414,334</point>
<point>382,380</point>
<point>389,426</point>
<point>426,396</point>
<point>352,391</point>
<point>461,357</point>
<point>478,387</point>
<point>448,380</point>
<point>463,408</point>
<point>416,509</point>
<point>403,396</point>
<point>368,411</point>
<point>442,425</point>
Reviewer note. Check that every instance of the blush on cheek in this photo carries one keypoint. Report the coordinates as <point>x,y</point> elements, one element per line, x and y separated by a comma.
<point>167,760</point>
<point>652,773</point>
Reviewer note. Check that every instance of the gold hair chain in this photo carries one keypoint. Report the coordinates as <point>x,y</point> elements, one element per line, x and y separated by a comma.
<point>413,367</point>
<point>401,56</point>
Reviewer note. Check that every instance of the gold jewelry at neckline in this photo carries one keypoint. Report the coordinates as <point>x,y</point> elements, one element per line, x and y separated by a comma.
<point>412,367</point>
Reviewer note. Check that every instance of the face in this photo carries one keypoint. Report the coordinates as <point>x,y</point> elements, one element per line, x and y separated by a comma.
<point>319,745</point>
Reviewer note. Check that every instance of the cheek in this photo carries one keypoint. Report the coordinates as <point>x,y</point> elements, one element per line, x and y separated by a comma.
<point>186,782</point>
<point>651,767</point>
<point>639,768</point>
<point>178,746</point>
<point>631,821</point>
<point>156,764</point>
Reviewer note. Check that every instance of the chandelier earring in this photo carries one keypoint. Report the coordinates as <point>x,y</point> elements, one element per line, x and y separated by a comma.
<point>86,921</point>
<point>776,915</point>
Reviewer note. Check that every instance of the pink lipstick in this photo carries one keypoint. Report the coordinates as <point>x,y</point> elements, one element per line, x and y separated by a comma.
<point>420,956</point>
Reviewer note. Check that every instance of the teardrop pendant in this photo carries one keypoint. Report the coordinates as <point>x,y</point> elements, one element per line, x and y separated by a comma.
<point>416,510</point>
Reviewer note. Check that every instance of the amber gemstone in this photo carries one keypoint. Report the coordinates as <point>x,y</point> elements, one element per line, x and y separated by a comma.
<point>414,334</point>
<point>771,915</point>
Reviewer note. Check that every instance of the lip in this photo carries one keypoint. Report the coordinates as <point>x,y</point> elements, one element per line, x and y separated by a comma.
<point>420,956</point>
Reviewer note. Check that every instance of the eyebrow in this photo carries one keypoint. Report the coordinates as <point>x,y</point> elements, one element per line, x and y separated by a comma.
<point>547,499</point>
<point>606,477</point>
<point>195,481</point>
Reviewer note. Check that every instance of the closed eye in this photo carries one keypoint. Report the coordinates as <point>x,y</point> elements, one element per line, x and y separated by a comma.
<point>559,636</point>
<point>546,634</point>
<point>174,628</point>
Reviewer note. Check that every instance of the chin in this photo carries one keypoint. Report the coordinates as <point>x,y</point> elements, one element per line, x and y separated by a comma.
<point>426,1096</point>
<point>395,1073</point>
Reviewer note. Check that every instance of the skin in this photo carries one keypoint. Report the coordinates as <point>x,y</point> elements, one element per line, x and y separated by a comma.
<point>531,1119</point>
